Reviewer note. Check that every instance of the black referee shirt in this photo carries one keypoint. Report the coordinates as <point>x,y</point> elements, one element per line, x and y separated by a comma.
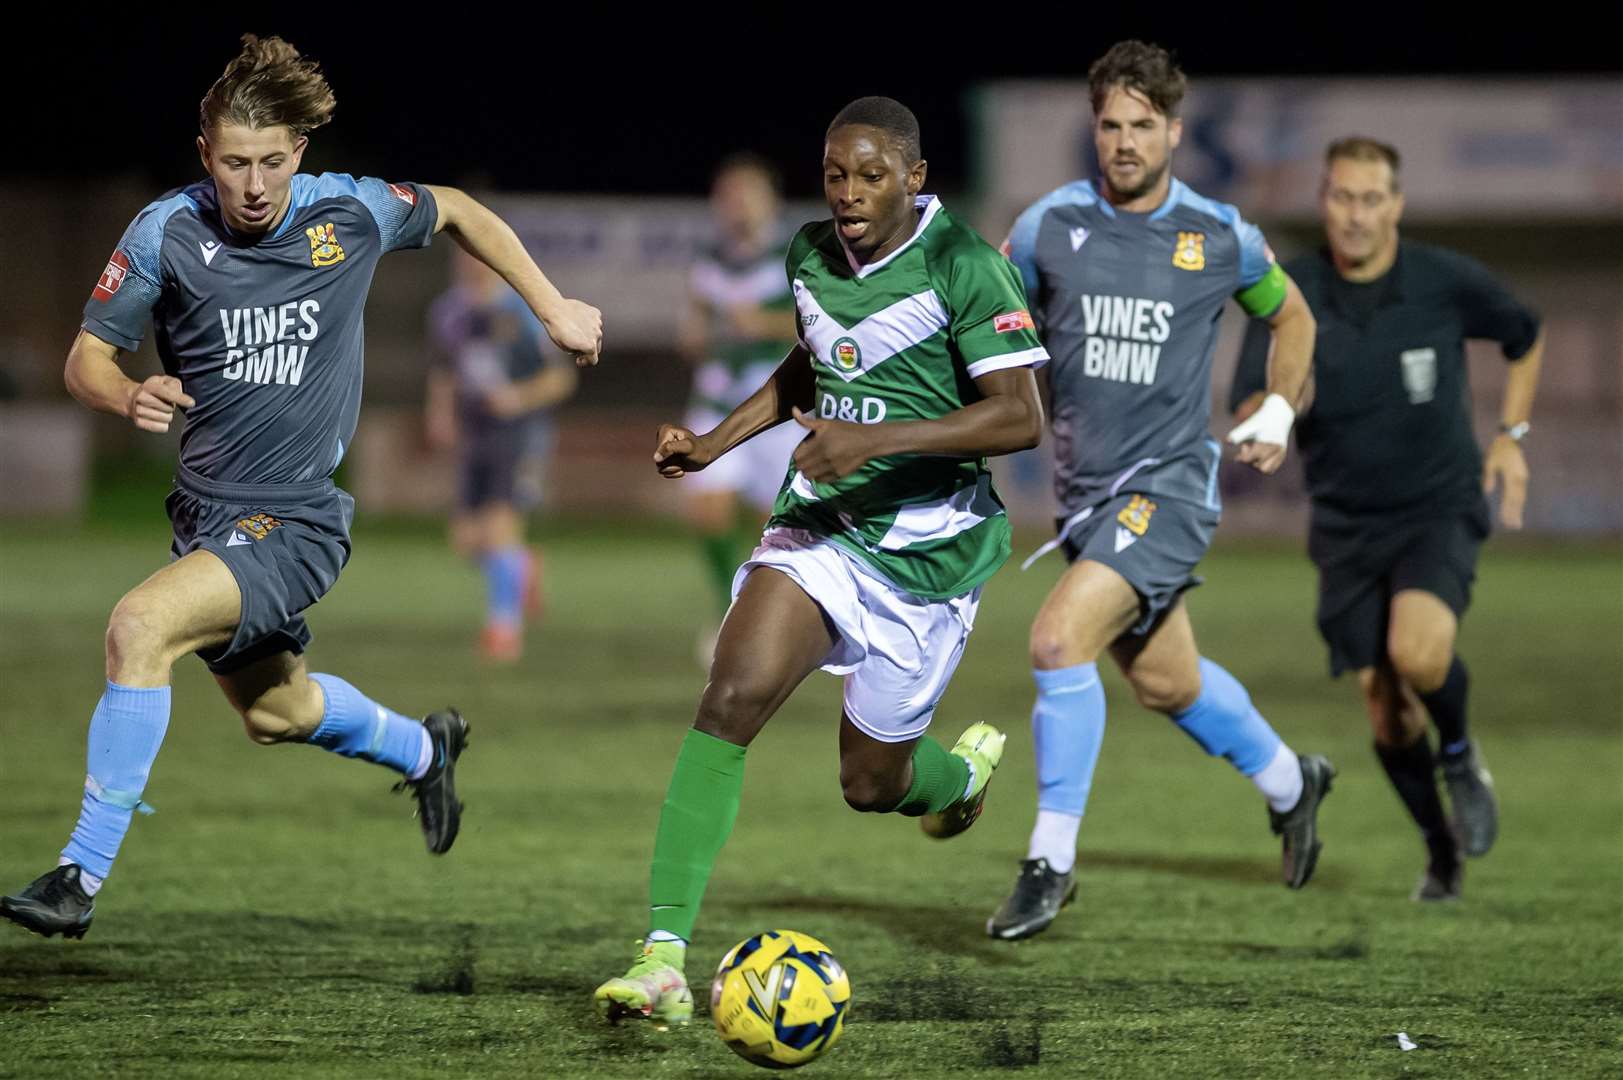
<point>1389,431</point>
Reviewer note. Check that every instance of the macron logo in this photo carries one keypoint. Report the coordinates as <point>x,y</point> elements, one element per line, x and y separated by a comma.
<point>237,540</point>
<point>1079,236</point>
<point>210,249</point>
<point>1124,538</point>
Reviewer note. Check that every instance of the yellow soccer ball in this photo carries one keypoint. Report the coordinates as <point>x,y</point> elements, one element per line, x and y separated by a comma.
<point>780,999</point>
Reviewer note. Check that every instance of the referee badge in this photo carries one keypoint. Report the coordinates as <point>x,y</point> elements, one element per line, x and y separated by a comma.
<point>1190,254</point>
<point>325,250</point>
<point>1419,374</point>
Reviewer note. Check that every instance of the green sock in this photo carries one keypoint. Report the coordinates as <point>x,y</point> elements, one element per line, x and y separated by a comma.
<point>698,814</point>
<point>721,560</point>
<point>939,780</point>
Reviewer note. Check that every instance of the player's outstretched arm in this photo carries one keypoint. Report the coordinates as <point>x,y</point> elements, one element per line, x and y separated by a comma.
<point>1505,464</point>
<point>1264,436</point>
<point>1007,419</point>
<point>679,451</point>
<point>93,377</point>
<point>577,327</point>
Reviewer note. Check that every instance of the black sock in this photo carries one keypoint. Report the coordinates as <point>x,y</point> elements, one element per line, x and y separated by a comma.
<point>1446,704</point>
<point>1413,773</point>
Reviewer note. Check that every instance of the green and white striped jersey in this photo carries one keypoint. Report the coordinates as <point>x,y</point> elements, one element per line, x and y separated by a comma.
<point>722,279</point>
<point>904,339</point>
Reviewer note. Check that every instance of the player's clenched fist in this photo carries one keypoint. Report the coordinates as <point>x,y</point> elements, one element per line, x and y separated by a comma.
<point>576,327</point>
<point>679,451</point>
<point>152,406</point>
<point>833,448</point>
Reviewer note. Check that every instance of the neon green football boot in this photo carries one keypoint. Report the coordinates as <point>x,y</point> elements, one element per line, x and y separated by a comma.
<point>982,746</point>
<point>654,989</point>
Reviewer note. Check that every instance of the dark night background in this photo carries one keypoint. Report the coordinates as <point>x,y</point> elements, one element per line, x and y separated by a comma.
<point>626,102</point>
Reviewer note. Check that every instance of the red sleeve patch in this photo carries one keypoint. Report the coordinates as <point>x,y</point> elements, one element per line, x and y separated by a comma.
<point>1014,320</point>
<point>112,277</point>
<point>404,194</point>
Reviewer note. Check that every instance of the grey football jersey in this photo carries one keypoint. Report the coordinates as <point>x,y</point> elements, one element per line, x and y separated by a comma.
<point>1128,306</point>
<point>264,333</point>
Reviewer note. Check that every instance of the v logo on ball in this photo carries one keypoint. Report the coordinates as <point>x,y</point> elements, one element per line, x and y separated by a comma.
<point>766,993</point>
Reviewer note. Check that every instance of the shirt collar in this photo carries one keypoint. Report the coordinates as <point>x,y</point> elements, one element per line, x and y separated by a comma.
<point>929,206</point>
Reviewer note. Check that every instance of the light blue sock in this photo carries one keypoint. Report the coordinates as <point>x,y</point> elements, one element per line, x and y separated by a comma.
<point>1225,723</point>
<point>354,725</point>
<point>125,732</point>
<point>1067,729</point>
<point>504,584</point>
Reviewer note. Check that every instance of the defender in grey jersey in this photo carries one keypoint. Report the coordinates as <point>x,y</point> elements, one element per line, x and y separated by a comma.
<point>1128,278</point>
<point>255,280</point>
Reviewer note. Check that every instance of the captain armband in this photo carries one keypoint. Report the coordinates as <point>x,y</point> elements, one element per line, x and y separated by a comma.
<point>1265,297</point>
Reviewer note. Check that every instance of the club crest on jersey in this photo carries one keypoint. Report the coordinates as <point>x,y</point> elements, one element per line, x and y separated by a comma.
<point>325,250</point>
<point>1135,516</point>
<point>258,526</point>
<point>847,354</point>
<point>1190,254</point>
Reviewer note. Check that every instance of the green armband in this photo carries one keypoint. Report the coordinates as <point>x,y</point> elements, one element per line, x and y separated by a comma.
<point>1263,299</point>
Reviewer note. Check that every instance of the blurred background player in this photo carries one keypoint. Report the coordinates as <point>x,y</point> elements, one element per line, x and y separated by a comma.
<point>915,351</point>
<point>491,392</point>
<point>1127,279</point>
<point>738,325</point>
<point>255,280</point>
<point>1397,482</point>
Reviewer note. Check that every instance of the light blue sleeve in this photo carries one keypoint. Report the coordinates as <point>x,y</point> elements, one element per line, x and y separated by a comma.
<point>131,285</point>
<point>1256,259</point>
<point>405,213</point>
<point>1021,246</point>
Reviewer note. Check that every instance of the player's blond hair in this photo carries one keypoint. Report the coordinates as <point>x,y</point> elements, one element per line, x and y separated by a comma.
<point>1364,148</point>
<point>268,84</point>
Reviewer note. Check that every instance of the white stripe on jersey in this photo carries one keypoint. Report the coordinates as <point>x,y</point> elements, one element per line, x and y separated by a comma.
<point>944,518</point>
<point>880,336</point>
<point>1034,358</point>
<point>720,288</point>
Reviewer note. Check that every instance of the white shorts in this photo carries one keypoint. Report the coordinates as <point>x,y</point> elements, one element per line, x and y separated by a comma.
<point>896,651</point>
<point>755,470</point>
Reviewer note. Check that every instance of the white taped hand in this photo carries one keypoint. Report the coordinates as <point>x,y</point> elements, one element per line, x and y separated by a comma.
<point>1271,423</point>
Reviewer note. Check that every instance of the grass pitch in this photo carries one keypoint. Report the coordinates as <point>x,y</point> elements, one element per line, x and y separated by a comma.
<point>278,916</point>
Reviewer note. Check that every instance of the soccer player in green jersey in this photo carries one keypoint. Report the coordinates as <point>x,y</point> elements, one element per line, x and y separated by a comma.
<point>738,323</point>
<point>914,362</point>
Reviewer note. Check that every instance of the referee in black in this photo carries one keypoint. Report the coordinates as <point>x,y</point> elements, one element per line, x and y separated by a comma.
<point>1397,483</point>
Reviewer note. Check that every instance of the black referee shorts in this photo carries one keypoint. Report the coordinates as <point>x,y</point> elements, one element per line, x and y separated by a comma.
<point>1363,567</point>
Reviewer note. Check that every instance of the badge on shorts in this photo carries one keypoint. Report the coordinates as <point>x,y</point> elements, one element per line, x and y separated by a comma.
<point>1419,374</point>
<point>325,250</point>
<point>1190,254</point>
<point>1135,516</point>
<point>257,526</point>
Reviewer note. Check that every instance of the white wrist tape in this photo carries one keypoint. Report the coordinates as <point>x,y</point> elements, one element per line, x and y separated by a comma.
<point>1269,424</point>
